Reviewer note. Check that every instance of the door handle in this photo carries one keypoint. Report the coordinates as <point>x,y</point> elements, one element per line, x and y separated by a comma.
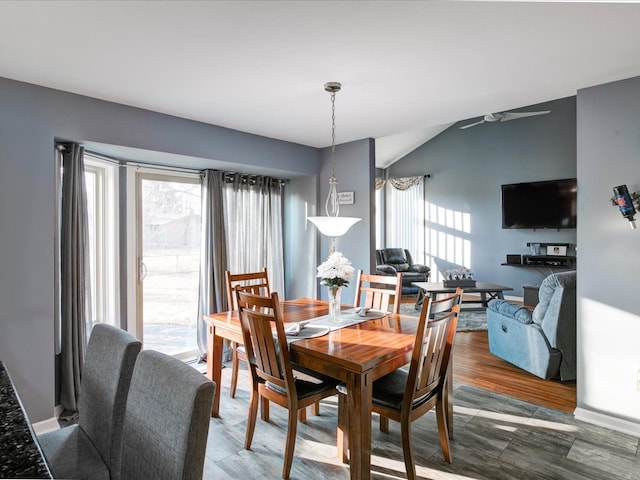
<point>142,270</point>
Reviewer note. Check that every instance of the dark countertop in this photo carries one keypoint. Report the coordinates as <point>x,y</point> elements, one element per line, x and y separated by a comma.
<point>20,454</point>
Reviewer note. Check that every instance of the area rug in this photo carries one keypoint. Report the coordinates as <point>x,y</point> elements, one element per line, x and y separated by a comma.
<point>467,321</point>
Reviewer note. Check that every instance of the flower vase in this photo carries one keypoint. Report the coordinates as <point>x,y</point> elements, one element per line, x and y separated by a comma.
<point>334,304</point>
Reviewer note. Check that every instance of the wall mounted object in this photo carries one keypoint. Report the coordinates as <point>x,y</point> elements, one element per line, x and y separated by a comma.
<point>625,201</point>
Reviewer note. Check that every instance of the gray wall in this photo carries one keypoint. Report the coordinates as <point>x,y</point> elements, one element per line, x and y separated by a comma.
<point>467,168</point>
<point>31,119</point>
<point>608,303</point>
<point>355,173</point>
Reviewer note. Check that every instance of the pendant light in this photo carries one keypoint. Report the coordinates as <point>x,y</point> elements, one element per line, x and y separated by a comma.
<point>333,225</point>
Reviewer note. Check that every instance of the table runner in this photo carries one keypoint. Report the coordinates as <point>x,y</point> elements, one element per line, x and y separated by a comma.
<point>319,326</point>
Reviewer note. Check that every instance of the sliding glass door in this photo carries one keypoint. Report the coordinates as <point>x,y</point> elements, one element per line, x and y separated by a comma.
<point>168,233</point>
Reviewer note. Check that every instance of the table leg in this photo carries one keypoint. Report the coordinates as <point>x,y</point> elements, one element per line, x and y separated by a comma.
<point>359,394</point>
<point>214,366</point>
<point>483,299</point>
<point>419,299</point>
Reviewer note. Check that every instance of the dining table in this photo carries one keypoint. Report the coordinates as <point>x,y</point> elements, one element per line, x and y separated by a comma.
<point>356,354</point>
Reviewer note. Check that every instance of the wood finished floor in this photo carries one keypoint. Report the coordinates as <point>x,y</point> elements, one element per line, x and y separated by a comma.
<point>497,435</point>
<point>474,365</point>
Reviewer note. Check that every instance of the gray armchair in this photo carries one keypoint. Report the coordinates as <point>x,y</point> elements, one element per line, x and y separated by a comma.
<point>542,341</point>
<point>391,261</point>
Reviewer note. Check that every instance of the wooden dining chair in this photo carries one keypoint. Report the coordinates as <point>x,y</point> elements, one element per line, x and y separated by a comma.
<point>439,307</point>
<point>271,371</point>
<point>257,283</point>
<point>406,395</point>
<point>378,292</point>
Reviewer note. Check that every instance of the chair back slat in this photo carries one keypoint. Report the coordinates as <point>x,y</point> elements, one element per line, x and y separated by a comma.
<point>379,292</point>
<point>255,282</point>
<point>431,353</point>
<point>443,305</point>
<point>268,357</point>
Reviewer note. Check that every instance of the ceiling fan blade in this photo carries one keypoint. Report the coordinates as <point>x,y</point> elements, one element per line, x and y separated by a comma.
<point>471,125</point>
<point>506,116</point>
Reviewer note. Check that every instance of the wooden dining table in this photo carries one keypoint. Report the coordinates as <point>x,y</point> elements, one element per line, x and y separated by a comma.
<point>357,355</point>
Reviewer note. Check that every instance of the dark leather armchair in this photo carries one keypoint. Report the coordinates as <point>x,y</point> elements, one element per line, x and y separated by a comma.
<point>390,261</point>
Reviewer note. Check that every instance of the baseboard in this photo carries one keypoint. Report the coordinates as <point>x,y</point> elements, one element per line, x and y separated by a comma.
<point>607,421</point>
<point>48,425</point>
<point>512,298</point>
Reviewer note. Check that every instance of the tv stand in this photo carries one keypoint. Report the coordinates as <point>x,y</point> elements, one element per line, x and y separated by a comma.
<point>548,261</point>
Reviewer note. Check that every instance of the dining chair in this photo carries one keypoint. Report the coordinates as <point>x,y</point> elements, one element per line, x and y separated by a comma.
<point>257,283</point>
<point>166,421</point>
<point>406,395</point>
<point>273,376</point>
<point>378,292</point>
<point>438,307</point>
<point>91,448</point>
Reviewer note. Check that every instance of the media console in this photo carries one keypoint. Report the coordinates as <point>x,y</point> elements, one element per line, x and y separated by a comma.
<point>547,261</point>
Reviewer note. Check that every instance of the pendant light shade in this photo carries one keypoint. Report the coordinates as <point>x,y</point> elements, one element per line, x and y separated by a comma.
<point>333,225</point>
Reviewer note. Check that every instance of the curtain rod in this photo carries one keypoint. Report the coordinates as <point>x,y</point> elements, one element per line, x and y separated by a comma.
<point>125,163</point>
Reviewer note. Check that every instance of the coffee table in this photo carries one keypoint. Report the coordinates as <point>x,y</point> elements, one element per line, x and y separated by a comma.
<point>487,291</point>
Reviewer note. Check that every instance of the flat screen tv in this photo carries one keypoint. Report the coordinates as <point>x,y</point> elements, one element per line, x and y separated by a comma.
<point>546,204</point>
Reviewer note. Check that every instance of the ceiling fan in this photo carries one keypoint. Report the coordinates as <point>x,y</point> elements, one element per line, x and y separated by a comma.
<point>504,117</point>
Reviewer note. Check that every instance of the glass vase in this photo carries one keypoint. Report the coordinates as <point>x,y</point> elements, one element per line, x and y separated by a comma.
<point>334,304</point>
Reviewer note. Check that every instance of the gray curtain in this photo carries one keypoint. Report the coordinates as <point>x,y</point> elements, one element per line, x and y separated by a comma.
<point>213,254</point>
<point>254,206</point>
<point>74,276</point>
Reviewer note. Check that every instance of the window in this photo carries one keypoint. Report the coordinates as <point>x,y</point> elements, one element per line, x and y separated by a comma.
<point>100,179</point>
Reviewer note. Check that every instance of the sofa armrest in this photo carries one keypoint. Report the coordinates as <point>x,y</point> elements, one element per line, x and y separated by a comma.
<point>419,268</point>
<point>386,270</point>
<point>517,312</point>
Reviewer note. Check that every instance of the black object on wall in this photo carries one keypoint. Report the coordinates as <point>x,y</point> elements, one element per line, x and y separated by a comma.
<point>546,204</point>
<point>623,199</point>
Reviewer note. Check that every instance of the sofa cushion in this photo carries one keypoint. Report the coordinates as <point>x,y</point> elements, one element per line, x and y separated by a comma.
<point>548,289</point>
<point>508,309</point>
<point>395,256</point>
<point>386,270</point>
<point>419,268</point>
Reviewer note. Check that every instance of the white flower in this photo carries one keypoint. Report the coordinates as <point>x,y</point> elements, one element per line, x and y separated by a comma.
<point>336,271</point>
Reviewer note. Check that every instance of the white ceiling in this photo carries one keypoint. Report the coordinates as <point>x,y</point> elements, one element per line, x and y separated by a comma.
<point>408,69</point>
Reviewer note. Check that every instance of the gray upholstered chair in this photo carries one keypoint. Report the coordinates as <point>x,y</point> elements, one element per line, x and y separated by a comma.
<point>166,421</point>
<point>391,261</point>
<point>542,341</point>
<point>90,449</point>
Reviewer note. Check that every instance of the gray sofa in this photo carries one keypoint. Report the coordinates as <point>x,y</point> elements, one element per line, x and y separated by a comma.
<point>391,261</point>
<point>542,341</point>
